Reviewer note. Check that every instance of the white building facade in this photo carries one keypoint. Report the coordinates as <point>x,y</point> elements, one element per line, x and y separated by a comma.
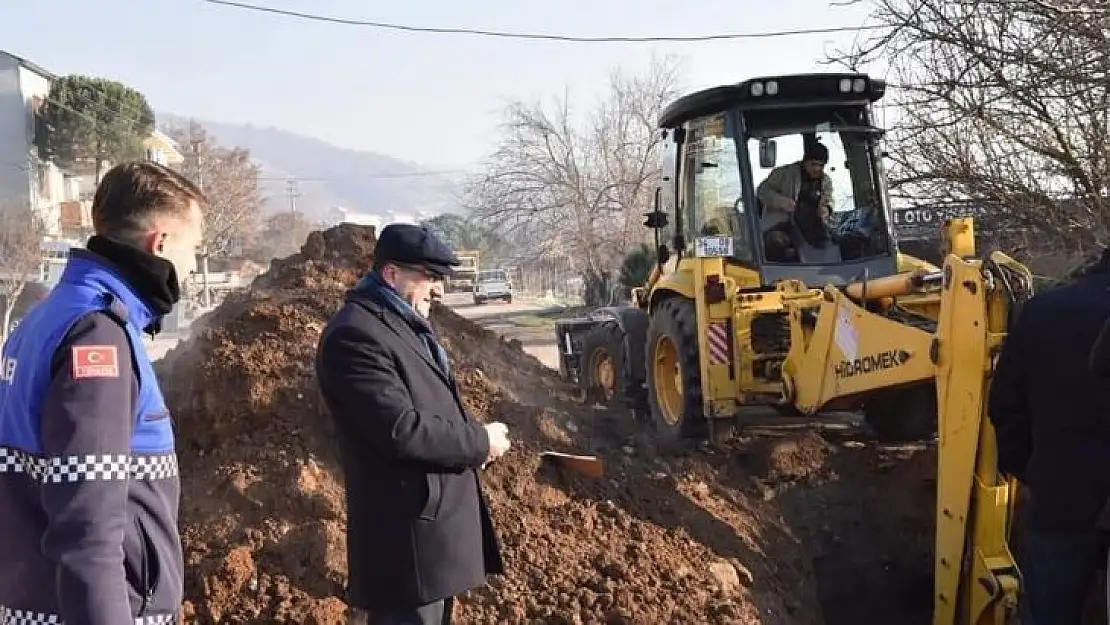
<point>340,215</point>
<point>26,183</point>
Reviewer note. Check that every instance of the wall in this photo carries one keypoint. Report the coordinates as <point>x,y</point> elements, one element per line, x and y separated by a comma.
<point>14,161</point>
<point>24,183</point>
<point>48,186</point>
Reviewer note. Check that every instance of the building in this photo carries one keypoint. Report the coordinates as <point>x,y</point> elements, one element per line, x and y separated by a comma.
<point>340,215</point>
<point>26,183</point>
<point>163,150</point>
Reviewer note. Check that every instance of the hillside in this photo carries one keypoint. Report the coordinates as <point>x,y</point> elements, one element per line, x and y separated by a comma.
<point>365,182</point>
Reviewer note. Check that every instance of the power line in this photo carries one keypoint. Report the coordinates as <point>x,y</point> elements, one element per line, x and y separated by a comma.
<point>542,36</point>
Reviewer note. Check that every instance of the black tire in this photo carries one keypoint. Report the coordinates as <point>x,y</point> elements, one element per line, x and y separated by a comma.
<point>675,322</point>
<point>603,346</point>
<point>903,414</point>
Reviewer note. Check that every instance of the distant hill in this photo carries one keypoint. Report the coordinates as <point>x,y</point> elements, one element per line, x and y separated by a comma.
<point>364,182</point>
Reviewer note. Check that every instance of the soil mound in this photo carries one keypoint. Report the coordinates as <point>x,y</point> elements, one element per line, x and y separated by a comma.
<point>697,536</point>
<point>262,511</point>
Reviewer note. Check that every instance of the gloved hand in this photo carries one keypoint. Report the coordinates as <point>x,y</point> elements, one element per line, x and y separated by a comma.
<point>498,434</point>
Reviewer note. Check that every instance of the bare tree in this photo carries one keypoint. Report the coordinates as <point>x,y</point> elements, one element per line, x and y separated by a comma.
<point>20,258</point>
<point>280,235</point>
<point>231,183</point>
<point>561,186</point>
<point>1000,103</point>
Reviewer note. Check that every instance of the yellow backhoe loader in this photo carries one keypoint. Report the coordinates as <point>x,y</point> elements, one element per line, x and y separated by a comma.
<point>725,322</point>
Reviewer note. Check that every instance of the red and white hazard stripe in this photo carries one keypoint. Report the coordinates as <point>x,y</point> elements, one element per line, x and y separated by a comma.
<point>719,344</point>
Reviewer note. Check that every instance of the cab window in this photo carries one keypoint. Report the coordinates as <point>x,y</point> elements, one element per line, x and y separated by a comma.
<point>713,195</point>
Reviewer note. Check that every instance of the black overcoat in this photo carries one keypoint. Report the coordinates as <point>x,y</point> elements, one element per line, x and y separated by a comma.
<point>418,525</point>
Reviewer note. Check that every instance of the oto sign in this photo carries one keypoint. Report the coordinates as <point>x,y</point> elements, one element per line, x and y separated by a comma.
<point>924,222</point>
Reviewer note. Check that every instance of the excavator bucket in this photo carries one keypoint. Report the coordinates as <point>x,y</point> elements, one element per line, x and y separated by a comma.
<point>590,466</point>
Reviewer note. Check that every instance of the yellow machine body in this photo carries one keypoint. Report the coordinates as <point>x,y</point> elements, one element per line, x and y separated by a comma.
<point>846,351</point>
<point>721,326</point>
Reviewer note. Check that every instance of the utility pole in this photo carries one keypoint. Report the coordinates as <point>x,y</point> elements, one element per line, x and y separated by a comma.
<point>292,193</point>
<point>205,293</point>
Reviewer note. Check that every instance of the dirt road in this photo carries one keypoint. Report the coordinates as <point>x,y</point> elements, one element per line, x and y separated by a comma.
<point>525,320</point>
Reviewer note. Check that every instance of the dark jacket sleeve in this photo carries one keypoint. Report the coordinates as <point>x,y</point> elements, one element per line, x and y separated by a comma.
<point>86,433</point>
<point>358,375</point>
<point>1100,353</point>
<point>1008,404</point>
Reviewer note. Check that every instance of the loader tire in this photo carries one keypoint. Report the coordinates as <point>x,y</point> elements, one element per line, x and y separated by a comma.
<point>903,414</point>
<point>673,372</point>
<point>602,377</point>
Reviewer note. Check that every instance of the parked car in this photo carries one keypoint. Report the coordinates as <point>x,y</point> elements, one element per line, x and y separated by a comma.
<point>493,284</point>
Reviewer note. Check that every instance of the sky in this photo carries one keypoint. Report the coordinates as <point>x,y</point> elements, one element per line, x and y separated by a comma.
<point>433,99</point>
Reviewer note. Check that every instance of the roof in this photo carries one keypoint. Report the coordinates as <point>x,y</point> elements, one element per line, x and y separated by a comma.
<point>161,136</point>
<point>31,66</point>
<point>792,88</point>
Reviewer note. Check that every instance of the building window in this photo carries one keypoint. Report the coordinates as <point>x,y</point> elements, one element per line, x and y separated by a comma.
<point>44,190</point>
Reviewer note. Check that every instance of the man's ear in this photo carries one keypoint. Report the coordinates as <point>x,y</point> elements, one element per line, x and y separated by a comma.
<point>155,242</point>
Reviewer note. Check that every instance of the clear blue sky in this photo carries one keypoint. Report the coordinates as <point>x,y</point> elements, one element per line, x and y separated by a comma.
<point>430,98</point>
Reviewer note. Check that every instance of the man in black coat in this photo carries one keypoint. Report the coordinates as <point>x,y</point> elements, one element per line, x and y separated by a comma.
<point>1050,413</point>
<point>419,530</point>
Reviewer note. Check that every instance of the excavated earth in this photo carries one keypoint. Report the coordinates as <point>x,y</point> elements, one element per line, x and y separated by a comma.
<point>776,527</point>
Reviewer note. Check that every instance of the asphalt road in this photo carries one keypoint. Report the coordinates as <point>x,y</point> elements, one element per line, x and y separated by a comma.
<point>513,321</point>
<point>157,347</point>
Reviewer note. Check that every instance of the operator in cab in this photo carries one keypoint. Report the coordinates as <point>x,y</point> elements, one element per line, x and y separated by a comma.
<point>797,194</point>
<point>1049,410</point>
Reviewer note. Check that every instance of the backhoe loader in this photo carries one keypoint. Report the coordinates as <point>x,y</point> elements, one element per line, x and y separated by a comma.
<point>725,323</point>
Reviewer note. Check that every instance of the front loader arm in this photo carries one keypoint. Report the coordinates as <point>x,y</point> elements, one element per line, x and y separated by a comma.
<point>976,576</point>
<point>850,352</point>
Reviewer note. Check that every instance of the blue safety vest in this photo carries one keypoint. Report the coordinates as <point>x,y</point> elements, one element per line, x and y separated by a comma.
<point>87,285</point>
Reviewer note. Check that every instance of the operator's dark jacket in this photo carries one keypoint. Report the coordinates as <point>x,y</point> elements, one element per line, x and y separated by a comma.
<point>1050,411</point>
<point>418,526</point>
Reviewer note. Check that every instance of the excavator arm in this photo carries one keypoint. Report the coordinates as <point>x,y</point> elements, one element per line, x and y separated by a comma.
<point>848,351</point>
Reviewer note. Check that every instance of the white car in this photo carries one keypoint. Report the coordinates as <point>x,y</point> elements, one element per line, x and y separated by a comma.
<point>493,284</point>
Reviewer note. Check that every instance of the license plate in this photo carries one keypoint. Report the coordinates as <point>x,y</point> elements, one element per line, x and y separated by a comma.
<point>712,247</point>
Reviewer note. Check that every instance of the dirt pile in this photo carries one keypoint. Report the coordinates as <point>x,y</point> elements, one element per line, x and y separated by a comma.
<point>262,511</point>
<point>699,536</point>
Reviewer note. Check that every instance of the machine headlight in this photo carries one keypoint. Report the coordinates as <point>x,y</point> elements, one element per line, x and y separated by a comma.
<point>858,85</point>
<point>757,89</point>
<point>772,87</point>
<point>845,85</point>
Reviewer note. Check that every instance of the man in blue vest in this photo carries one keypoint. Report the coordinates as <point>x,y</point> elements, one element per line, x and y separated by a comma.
<point>88,472</point>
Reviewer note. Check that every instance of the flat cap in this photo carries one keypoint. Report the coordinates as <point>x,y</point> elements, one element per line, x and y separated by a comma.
<point>407,244</point>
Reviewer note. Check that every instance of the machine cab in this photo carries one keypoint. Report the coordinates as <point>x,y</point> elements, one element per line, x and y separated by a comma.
<point>743,178</point>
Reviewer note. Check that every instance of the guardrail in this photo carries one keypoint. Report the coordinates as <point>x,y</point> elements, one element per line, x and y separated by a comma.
<point>220,281</point>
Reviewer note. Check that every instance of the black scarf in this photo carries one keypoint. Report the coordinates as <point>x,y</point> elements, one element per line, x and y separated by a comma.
<point>807,211</point>
<point>154,279</point>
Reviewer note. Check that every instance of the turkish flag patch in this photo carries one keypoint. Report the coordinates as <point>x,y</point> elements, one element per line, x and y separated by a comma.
<point>95,361</point>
